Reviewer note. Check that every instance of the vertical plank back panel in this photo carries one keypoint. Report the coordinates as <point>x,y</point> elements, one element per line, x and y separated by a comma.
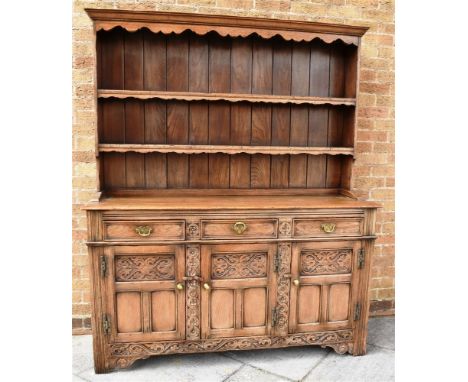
<point>299,114</point>
<point>112,59</point>
<point>281,114</point>
<point>177,112</point>
<point>155,62</point>
<point>319,69</point>
<point>187,62</point>
<point>198,118</point>
<point>241,113</point>
<point>337,88</point>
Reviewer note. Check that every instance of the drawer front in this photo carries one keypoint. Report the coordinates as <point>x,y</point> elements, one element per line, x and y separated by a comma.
<point>321,227</point>
<point>145,230</point>
<point>239,228</point>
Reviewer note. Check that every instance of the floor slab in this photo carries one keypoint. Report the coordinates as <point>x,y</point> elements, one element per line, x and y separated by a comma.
<point>250,374</point>
<point>172,368</point>
<point>376,366</point>
<point>291,364</point>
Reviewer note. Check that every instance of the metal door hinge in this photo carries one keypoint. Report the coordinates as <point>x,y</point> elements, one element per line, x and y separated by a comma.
<point>106,324</point>
<point>277,262</point>
<point>357,312</point>
<point>103,265</point>
<point>274,316</point>
<point>361,258</point>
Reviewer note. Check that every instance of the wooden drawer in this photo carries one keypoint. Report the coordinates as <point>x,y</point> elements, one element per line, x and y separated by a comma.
<point>322,227</point>
<point>144,230</point>
<point>239,228</point>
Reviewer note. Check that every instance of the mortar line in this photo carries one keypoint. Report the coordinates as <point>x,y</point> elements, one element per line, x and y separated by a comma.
<point>316,365</point>
<point>234,372</point>
<point>259,368</point>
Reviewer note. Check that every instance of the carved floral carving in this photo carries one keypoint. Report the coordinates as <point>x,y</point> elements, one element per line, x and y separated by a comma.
<point>193,231</point>
<point>144,268</point>
<point>193,293</point>
<point>285,228</point>
<point>145,349</point>
<point>326,261</point>
<point>239,265</point>
<point>283,286</point>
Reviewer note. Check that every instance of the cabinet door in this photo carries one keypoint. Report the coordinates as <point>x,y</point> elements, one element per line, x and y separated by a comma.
<point>323,291</point>
<point>238,289</point>
<point>143,300</point>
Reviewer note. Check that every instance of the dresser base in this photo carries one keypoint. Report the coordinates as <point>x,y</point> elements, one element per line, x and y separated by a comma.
<point>123,355</point>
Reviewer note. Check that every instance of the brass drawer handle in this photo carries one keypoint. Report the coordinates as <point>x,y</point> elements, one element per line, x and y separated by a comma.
<point>179,286</point>
<point>328,227</point>
<point>296,282</point>
<point>143,230</point>
<point>239,227</point>
<point>206,286</point>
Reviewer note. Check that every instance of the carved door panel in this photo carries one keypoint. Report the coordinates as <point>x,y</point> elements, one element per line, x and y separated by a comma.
<point>238,289</point>
<point>324,285</point>
<point>143,299</point>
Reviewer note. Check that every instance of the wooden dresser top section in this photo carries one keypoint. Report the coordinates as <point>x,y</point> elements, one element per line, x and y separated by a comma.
<point>184,203</point>
<point>233,26</point>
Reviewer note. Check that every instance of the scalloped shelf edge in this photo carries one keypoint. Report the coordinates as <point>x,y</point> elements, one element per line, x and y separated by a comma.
<point>230,32</point>
<point>224,25</point>
<point>230,150</point>
<point>227,97</point>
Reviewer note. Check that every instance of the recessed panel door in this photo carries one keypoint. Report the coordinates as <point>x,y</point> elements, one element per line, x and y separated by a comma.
<point>146,299</point>
<point>323,287</point>
<point>238,289</point>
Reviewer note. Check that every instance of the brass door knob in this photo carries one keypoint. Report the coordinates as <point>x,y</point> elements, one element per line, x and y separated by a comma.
<point>239,227</point>
<point>180,286</point>
<point>206,286</point>
<point>143,230</point>
<point>328,227</point>
<point>296,282</point>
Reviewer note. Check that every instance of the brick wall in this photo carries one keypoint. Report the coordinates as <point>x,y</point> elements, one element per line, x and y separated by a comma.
<point>374,167</point>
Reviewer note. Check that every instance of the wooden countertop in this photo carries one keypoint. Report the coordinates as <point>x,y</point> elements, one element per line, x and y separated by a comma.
<point>249,202</point>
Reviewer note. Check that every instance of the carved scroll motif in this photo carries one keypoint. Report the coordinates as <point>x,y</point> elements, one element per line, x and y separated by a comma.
<point>144,268</point>
<point>326,261</point>
<point>144,349</point>
<point>193,293</point>
<point>239,265</point>
<point>283,286</point>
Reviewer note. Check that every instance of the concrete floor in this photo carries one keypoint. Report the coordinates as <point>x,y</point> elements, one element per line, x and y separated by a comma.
<point>292,364</point>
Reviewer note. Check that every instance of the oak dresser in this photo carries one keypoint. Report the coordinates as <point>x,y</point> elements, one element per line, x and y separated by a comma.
<point>225,150</point>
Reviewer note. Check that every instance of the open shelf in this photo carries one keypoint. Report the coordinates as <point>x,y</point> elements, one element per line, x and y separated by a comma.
<point>212,149</point>
<point>229,97</point>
